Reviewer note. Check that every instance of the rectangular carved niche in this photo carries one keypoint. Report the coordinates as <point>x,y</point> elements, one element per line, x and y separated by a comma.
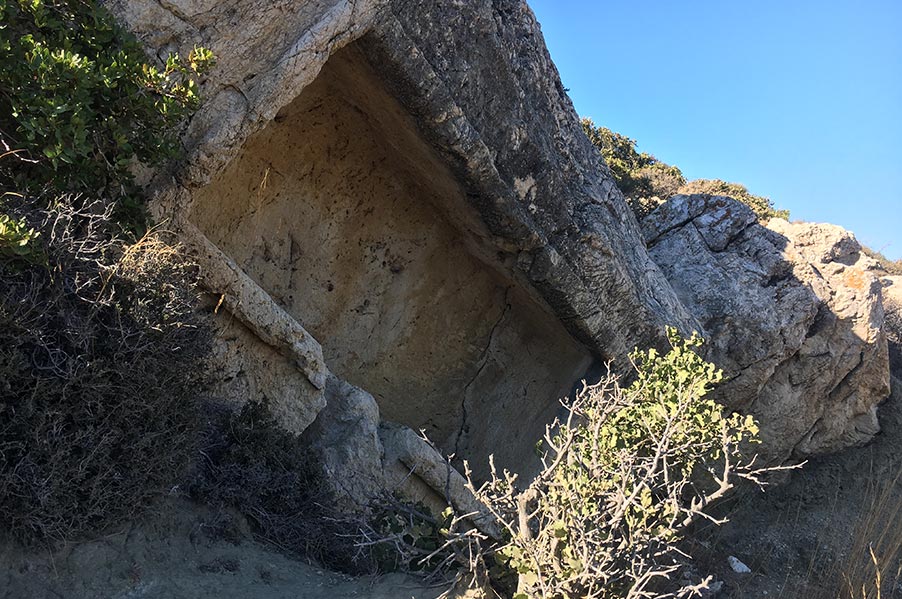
<point>344,215</point>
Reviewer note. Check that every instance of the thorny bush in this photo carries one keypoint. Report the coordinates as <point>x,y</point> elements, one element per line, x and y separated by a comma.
<point>266,474</point>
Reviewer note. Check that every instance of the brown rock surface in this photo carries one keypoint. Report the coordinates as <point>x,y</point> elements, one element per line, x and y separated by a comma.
<point>414,209</point>
<point>460,258</point>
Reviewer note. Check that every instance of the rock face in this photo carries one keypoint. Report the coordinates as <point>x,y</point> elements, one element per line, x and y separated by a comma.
<point>793,313</point>
<point>530,194</point>
<point>892,303</point>
<point>336,210</point>
<point>361,202</point>
<point>397,215</point>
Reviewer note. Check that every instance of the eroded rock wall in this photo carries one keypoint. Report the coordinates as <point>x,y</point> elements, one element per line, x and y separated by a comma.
<point>395,198</point>
<point>483,92</point>
<point>793,313</point>
<point>461,257</point>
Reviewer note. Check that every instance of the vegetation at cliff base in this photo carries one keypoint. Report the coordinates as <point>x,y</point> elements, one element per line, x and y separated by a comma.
<point>101,366</point>
<point>626,474</point>
<point>260,470</point>
<point>646,182</point>
<point>102,349</point>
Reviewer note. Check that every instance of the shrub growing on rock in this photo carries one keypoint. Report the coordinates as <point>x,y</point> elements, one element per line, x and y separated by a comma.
<point>644,180</point>
<point>761,205</point>
<point>81,104</point>
<point>625,475</point>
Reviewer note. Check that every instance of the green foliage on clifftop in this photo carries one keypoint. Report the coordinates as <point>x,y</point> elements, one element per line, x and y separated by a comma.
<point>762,206</point>
<point>646,181</point>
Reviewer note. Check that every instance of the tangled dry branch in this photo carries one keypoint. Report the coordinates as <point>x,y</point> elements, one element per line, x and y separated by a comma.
<point>624,476</point>
<point>101,361</point>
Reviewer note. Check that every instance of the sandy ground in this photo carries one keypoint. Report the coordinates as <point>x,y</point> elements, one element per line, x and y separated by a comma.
<point>171,556</point>
<point>801,539</point>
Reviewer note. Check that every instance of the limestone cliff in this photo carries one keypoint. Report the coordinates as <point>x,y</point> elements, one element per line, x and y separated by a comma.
<point>394,205</point>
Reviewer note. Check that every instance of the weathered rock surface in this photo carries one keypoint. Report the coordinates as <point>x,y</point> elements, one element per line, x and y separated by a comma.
<point>892,305</point>
<point>396,196</point>
<point>362,201</point>
<point>345,440</point>
<point>793,314</point>
<point>334,210</point>
<point>524,165</point>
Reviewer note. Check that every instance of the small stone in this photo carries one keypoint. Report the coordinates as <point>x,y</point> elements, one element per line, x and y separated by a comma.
<point>738,566</point>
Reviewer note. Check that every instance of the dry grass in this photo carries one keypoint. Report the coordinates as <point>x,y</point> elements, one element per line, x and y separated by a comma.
<point>890,267</point>
<point>871,569</point>
<point>267,475</point>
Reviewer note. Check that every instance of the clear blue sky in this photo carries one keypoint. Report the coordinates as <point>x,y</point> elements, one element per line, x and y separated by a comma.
<point>801,101</point>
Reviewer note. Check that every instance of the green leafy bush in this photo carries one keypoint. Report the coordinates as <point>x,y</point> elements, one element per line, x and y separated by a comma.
<point>17,242</point>
<point>624,476</point>
<point>80,103</point>
<point>644,180</point>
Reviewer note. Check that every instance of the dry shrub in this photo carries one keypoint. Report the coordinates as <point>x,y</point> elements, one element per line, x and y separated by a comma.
<point>101,361</point>
<point>890,267</point>
<point>265,473</point>
<point>894,336</point>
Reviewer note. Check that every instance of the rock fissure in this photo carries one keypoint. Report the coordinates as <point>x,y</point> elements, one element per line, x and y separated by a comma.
<point>658,235</point>
<point>486,355</point>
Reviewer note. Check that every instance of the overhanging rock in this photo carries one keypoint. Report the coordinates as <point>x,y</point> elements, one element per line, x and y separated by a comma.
<point>417,201</point>
<point>397,196</point>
